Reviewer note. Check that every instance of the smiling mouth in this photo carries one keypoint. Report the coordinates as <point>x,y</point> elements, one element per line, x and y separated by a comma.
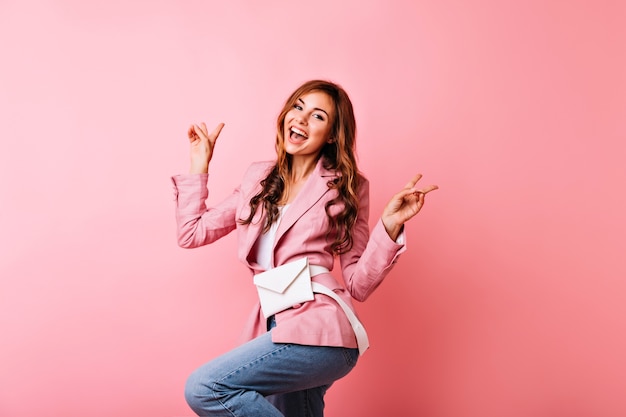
<point>297,134</point>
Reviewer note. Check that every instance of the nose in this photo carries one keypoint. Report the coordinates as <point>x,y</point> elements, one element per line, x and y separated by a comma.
<point>299,119</point>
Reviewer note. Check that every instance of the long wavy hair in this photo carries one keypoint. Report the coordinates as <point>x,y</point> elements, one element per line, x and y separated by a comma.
<point>338,155</point>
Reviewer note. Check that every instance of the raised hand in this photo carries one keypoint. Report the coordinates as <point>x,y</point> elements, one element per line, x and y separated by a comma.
<point>202,144</point>
<point>404,205</point>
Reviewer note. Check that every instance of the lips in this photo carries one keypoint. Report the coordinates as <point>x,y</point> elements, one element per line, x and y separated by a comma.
<point>301,133</point>
<point>297,136</point>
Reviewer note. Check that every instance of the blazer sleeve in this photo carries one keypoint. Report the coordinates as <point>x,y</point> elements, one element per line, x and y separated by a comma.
<point>372,256</point>
<point>196,223</point>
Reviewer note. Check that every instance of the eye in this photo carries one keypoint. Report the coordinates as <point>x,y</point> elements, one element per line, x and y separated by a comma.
<point>297,107</point>
<point>319,117</point>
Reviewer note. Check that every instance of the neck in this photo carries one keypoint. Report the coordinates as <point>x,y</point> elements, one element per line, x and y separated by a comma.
<point>301,168</point>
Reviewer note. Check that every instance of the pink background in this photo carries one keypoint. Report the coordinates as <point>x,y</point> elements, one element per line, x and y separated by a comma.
<point>511,298</point>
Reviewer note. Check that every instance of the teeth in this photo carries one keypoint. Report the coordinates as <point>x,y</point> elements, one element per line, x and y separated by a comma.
<point>299,132</point>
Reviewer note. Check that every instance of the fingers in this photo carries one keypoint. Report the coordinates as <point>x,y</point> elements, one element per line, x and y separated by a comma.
<point>406,192</point>
<point>413,193</point>
<point>191,134</point>
<point>216,131</point>
<point>426,190</point>
<point>421,194</point>
<point>201,132</point>
<point>413,181</point>
<point>411,185</point>
<point>411,189</point>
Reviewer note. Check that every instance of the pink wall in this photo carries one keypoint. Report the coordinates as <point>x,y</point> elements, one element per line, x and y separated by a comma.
<point>510,301</point>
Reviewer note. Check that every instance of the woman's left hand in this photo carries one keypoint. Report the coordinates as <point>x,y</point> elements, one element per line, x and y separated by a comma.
<point>404,205</point>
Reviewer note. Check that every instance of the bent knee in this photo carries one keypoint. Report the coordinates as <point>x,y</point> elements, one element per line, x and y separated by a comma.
<point>197,391</point>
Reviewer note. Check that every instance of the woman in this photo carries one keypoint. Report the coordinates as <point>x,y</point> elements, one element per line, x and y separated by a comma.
<point>310,203</point>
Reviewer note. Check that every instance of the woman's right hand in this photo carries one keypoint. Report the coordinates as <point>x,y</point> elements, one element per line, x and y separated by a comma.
<point>202,144</point>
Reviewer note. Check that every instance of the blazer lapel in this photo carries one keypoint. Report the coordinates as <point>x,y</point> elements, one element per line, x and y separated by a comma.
<point>254,231</point>
<point>314,188</point>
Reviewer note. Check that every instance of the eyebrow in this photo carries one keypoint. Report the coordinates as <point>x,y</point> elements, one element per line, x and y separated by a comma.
<point>316,108</point>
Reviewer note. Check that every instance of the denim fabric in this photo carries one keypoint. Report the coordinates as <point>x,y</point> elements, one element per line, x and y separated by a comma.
<point>266,379</point>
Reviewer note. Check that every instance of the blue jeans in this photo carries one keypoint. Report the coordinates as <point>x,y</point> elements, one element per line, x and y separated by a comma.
<point>266,379</point>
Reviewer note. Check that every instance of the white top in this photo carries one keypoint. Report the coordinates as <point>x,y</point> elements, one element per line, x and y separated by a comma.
<point>265,243</point>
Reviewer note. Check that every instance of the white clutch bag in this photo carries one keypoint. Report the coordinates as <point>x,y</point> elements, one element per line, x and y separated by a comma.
<point>283,287</point>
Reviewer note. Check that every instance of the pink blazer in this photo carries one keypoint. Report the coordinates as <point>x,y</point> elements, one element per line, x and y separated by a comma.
<point>301,232</point>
